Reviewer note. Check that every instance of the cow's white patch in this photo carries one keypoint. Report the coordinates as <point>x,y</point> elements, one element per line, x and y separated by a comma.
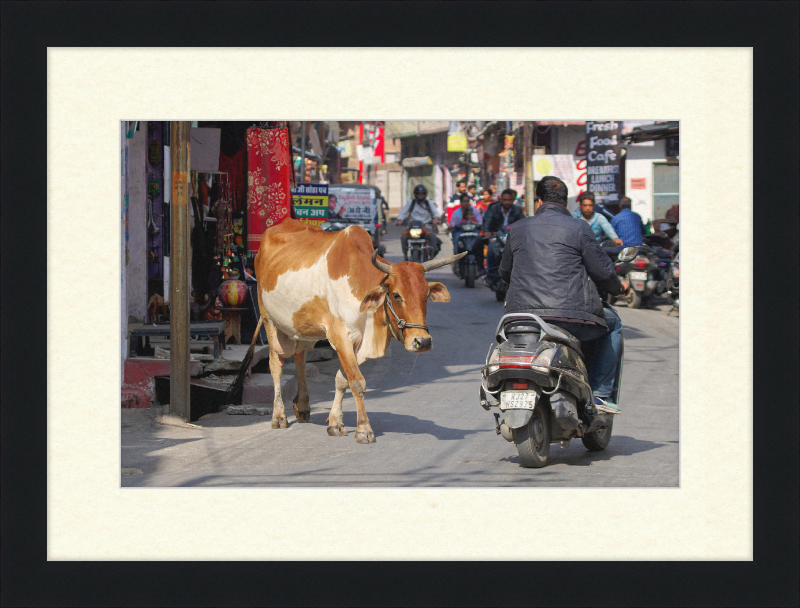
<point>296,288</point>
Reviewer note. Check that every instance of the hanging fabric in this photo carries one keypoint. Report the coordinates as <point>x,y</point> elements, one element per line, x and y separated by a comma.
<point>236,168</point>
<point>269,179</point>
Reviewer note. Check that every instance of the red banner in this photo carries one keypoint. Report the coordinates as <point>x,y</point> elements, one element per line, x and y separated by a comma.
<point>269,175</point>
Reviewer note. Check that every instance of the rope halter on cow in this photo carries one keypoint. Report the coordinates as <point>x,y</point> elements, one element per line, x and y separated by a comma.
<point>387,302</point>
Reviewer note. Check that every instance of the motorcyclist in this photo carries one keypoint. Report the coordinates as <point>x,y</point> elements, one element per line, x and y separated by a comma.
<point>548,262</point>
<point>497,217</point>
<point>419,208</point>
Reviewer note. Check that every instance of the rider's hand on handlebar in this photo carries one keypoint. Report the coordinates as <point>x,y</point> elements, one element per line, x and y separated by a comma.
<point>617,242</point>
<point>625,286</point>
<point>399,222</point>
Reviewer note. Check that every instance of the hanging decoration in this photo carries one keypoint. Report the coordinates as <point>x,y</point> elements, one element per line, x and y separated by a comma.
<point>269,181</point>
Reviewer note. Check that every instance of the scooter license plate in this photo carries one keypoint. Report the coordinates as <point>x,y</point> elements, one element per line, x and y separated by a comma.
<point>641,276</point>
<point>523,400</point>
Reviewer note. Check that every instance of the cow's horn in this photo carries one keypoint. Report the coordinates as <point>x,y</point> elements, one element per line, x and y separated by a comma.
<point>382,266</point>
<point>431,264</point>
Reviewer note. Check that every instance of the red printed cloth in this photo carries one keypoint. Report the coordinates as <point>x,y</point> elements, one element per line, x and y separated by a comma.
<point>269,176</point>
<point>236,168</point>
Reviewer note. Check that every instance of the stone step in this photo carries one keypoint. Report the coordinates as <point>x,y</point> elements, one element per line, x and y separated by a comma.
<point>261,389</point>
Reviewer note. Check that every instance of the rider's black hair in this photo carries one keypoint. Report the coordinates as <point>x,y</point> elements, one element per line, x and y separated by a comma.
<point>464,196</point>
<point>552,190</point>
<point>461,181</point>
<point>625,202</point>
<point>586,195</point>
<point>509,191</point>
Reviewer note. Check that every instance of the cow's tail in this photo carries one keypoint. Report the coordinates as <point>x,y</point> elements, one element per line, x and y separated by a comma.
<point>236,386</point>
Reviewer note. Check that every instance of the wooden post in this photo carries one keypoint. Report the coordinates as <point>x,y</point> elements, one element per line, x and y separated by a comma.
<point>528,151</point>
<point>179,389</point>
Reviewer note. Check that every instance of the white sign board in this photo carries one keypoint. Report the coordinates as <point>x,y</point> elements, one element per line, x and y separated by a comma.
<point>353,203</point>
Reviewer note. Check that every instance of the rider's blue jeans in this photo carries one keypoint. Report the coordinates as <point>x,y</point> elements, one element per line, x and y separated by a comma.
<point>608,346</point>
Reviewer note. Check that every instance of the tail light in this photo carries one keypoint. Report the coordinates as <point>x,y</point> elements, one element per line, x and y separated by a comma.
<point>516,361</point>
<point>640,262</point>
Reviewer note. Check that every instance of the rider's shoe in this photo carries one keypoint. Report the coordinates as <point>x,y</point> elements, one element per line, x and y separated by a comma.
<point>607,406</point>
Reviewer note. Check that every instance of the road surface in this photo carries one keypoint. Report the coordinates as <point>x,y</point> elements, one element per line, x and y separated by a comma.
<point>429,428</point>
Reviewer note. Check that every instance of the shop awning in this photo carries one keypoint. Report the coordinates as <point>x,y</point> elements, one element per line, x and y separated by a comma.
<point>652,132</point>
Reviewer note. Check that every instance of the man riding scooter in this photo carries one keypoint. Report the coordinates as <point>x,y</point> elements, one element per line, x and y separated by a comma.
<point>548,262</point>
<point>419,208</point>
<point>497,217</point>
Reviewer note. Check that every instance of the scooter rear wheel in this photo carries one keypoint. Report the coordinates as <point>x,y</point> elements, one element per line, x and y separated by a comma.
<point>500,294</point>
<point>533,439</point>
<point>597,441</point>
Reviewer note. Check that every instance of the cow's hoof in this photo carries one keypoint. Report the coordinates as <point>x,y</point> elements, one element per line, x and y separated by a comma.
<point>337,430</point>
<point>302,416</point>
<point>280,422</point>
<point>366,436</point>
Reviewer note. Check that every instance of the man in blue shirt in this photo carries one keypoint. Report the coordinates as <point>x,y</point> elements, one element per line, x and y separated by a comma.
<point>602,230</point>
<point>628,225</point>
<point>458,215</point>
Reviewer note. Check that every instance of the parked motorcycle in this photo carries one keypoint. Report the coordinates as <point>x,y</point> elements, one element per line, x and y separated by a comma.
<point>646,274</point>
<point>467,267</point>
<point>673,274</point>
<point>537,375</point>
<point>418,248</point>
<point>493,280</point>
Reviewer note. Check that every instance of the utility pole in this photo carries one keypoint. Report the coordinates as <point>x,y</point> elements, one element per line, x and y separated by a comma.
<point>179,395</point>
<point>527,132</point>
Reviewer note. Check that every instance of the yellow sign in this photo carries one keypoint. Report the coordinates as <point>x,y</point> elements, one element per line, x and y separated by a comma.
<point>457,141</point>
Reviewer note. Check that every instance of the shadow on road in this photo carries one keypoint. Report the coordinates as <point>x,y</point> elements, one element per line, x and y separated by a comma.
<point>577,455</point>
<point>388,422</point>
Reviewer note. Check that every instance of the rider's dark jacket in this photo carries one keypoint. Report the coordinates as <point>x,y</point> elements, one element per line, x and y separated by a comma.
<point>493,218</point>
<point>551,263</point>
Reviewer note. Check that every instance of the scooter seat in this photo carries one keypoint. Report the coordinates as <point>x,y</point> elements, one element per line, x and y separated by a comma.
<point>529,326</point>
<point>522,327</point>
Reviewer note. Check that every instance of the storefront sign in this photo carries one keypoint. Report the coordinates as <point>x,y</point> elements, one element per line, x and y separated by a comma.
<point>638,183</point>
<point>558,165</point>
<point>352,203</point>
<point>604,160</point>
<point>310,203</point>
<point>456,141</point>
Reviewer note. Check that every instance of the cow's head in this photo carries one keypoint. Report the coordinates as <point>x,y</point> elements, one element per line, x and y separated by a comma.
<point>404,292</point>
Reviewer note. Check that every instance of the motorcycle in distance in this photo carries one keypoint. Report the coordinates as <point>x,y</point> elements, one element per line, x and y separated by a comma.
<point>493,280</point>
<point>537,375</point>
<point>418,248</point>
<point>467,267</point>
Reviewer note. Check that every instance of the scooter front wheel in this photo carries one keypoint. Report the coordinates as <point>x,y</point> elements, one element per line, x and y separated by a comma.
<point>469,280</point>
<point>533,439</point>
<point>597,441</point>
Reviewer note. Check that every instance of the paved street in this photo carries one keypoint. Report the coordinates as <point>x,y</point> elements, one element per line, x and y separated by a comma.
<point>429,427</point>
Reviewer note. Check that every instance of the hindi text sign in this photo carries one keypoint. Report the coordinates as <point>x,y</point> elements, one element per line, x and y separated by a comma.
<point>310,203</point>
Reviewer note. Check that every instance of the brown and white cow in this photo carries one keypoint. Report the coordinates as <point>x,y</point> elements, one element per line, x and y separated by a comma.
<point>315,285</point>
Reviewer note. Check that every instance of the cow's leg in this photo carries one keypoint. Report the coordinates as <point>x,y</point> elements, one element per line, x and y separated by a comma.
<point>349,363</point>
<point>276,369</point>
<point>302,411</point>
<point>335,424</point>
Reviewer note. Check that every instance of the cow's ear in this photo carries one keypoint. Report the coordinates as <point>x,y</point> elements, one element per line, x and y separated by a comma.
<point>373,299</point>
<point>438,293</point>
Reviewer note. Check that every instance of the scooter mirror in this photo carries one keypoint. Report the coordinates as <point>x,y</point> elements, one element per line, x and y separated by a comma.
<point>627,254</point>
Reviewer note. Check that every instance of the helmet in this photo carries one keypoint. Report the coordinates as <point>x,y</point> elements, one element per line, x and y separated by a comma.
<point>420,191</point>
